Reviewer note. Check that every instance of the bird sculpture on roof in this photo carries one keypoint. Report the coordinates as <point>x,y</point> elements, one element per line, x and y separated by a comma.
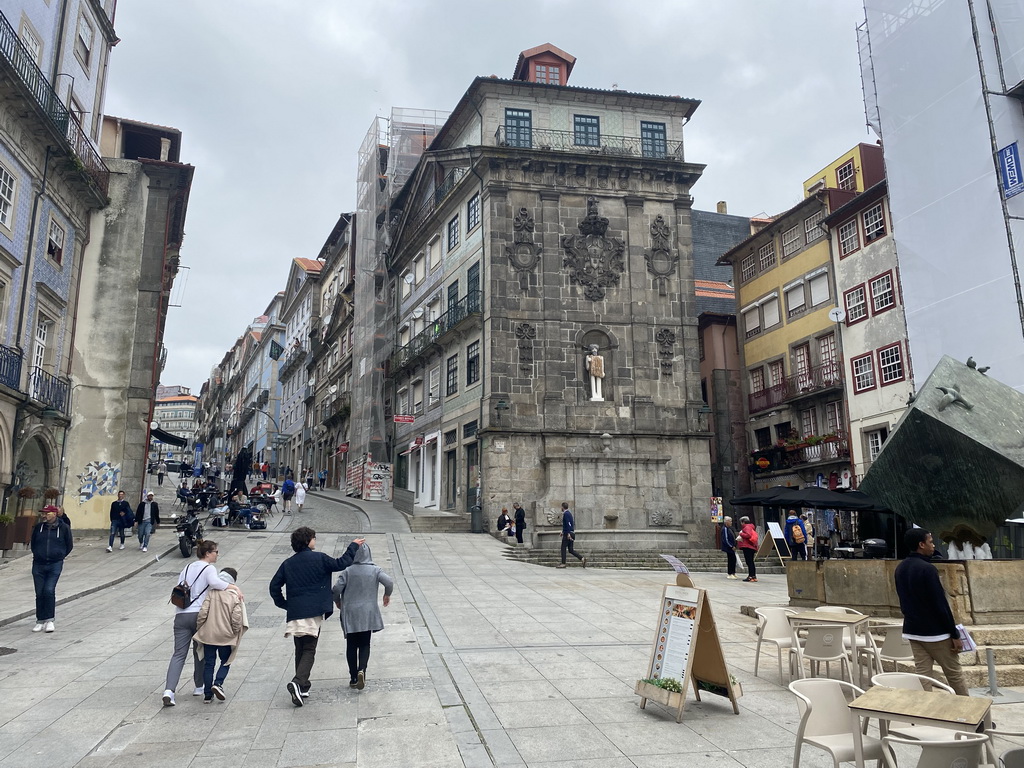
<point>950,397</point>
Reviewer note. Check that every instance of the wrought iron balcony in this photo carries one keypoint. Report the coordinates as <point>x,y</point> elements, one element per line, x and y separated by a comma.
<point>469,306</point>
<point>831,449</point>
<point>38,89</point>
<point>10,367</point>
<point>295,358</point>
<point>585,143</point>
<point>433,202</point>
<point>337,410</point>
<point>48,389</point>
<point>821,378</point>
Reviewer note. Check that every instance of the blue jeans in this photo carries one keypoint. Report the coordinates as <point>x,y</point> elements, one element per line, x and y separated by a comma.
<point>45,576</point>
<point>145,531</point>
<point>210,654</point>
<point>115,529</point>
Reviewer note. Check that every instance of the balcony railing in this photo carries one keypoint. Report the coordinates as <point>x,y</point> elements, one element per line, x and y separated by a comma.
<point>294,358</point>
<point>457,313</point>
<point>337,410</point>
<point>10,367</point>
<point>21,61</point>
<point>48,389</point>
<point>820,378</point>
<point>433,201</point>
<point>834,449</point>
<point>570,141</point>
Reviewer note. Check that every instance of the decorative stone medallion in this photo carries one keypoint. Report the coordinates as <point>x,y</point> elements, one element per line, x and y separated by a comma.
<point>661,517</point>
<point>661,261</point>
<point>666,339</point>
<point>593,260</point>
<point>524,253</point>
<point>525,335</point>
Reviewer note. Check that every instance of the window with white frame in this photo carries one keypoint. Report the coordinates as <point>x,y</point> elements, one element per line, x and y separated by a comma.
<point>812,226</point>
<point>55,241</point>
<point>757,379</point>
<point>419,269</point>
<point>434,385</point>
<point>819,289</point>
<point>766,256</point>
<point>846,178</point>
<point>748,268</point>
<point>84,40</point>
<point>882,295</point>
<point>863,372</point>
<point>849,237</point>
<point>776,373</point>
<point>435,252</point>
<point>403,336</point>
<point>875,440</point>
<point>770,313</point>
<point>42,353</point>
<point>795,299</point>
<point>752,322</point>
<point>473,212</point>
<point>834,417</point>
<point>809,422</point>
<point>8,186</point>
<point>791,241</point>
<point>890,364</point>
<point>32,42</point>
<point>403,399</point>
<point>856,304</point>
<point>453,233</point>
<point>417,396</point>
<point>874,223</point>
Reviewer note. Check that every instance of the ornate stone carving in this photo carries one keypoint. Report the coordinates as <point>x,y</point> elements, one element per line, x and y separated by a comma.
<point>554,516</point>
<point>594,261</point>
<point>661,260</point>
<point>525,334</point>
<point>666,339</point>
<point>523,254</point>
<point>661,517</point>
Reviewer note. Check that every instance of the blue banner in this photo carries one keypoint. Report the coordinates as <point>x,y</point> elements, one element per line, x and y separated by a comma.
<point>1009,168</point>
<point>197,465</point>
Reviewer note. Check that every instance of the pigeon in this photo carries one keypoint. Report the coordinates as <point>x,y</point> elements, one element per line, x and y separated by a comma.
<point>971,363</point>
<point>951,396</point>
<point>984,370</point>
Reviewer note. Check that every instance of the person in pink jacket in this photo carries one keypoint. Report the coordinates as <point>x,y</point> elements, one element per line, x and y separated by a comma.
<point>746,543</point>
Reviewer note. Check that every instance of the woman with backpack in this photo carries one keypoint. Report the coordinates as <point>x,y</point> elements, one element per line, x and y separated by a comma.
<point>747,544</point>
<point>287,491</point>
<point>796,536</point>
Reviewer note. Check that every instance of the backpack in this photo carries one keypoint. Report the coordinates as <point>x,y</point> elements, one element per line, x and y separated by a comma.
<point>288,488</point>
<point>797,533</point>
<point>181,594</point>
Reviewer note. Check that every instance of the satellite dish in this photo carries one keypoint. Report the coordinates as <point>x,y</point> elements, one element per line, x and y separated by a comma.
<point>836,315</point>
<point>333,388</point>
<point>418,312</point>
<point>409,278</point>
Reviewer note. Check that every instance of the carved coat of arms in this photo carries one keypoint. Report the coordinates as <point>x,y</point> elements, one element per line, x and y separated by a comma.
<point>594,260</point>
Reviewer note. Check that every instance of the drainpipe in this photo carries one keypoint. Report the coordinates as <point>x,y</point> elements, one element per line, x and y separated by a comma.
<point>59,52</point>
<point>484,383</point>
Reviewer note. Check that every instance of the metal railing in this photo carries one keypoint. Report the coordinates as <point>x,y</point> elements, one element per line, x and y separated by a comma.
<point>433,201</point>
<point>10,367</point>
<point>48,389</point>
<point>570,141</point>
<point>20,59</point>
<point>337,409</point>
<point>467,306</point>
<point>292,361</point>
<point>819,378</point>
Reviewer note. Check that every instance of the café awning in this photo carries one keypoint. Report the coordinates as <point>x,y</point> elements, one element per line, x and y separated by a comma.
<point>166,437</point>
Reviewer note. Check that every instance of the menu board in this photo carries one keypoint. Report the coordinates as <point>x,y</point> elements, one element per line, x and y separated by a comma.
<point>675,634</point>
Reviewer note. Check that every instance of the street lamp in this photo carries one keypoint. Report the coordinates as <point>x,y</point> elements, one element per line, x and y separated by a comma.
<point>277,435</point>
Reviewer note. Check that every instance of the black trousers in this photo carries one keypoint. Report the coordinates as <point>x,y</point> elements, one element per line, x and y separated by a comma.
<point>305,655</point>
<point>799,551</point>
<point>748,558</point>
<point>519,533</point>
<point>567,547</point>
<point>731,556</point>
<point>357,652</point>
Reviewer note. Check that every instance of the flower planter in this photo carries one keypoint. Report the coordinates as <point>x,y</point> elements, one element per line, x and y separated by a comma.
<point>7,536</point>
<point>23,525</point>
<point>666,698</point>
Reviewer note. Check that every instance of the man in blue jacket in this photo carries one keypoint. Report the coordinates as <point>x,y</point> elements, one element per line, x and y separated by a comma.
<point>569,536</point>
<point>796,536</point>
<point>928,622</point>
<point>302,587</point>
<point>51,543</point>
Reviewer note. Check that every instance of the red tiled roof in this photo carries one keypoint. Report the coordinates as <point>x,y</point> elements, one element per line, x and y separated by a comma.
<point>310,265</point>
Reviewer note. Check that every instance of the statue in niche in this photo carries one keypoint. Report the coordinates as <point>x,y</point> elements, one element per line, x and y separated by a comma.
<point>595,368</point>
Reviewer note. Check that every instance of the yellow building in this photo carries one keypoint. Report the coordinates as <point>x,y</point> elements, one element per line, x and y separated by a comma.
<point>791,353</point>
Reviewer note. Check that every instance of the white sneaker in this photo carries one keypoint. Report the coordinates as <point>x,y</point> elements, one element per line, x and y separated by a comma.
<point>110,549</point>
<point>168,698</point>
<point>49,626</point>
<point>38,627</point>
<point>198,691</point>
<point>121,547</point>
<point>145,549</point>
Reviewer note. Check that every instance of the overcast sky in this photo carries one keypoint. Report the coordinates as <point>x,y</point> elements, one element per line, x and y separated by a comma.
<point>273,98</point>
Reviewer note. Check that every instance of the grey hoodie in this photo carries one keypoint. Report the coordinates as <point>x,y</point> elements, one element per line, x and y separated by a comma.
<point>356,591</point>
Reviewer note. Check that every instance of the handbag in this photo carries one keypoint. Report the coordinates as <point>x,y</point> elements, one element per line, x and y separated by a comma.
<point>181,593</point>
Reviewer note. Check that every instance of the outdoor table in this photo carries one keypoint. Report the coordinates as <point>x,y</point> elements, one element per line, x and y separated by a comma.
<point>960,713</point>
<point>852,621</point>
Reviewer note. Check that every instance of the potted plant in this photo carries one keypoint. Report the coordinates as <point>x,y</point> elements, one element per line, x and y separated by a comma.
<point>667,691</point>
<point>7,538</point>
<point>50,495</point>
<point>26,516</point>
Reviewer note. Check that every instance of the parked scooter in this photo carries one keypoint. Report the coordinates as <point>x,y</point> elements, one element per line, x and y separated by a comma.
<point>190,532</point>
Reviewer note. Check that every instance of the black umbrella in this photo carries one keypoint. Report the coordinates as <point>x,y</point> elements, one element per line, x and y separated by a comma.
<point>776,496</point>
<point>823,498</point>
<point>876,506</point>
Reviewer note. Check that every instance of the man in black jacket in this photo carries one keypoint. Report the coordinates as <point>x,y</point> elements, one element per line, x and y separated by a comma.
<point>121,517</point>
<point>928,622</point>
<point>51,543</point>
<point>147,518</point>
<point>302,587</point>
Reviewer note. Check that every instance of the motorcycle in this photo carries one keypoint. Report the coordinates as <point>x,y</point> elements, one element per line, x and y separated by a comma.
<point>190,531</point>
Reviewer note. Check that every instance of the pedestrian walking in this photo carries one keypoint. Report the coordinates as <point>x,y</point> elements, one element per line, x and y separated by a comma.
<point>200,577</point>
<point>796,536</point>
<point>569,536</point>
<point>300,495</point>
<point>287,492</point>
<point>265,469</point>
<point>747,544</point>
<point>811,541</point>
<point>928,623</point>
<point>728,545</point>
<point>302,587</point>
<point>219,628</point>
<point>520,517</point>
<point>355,594</point>
<point>161,470</point>
<point>121,517</point>
<point>51,543</point>
<point>147,518</point>
<point>322,478</point>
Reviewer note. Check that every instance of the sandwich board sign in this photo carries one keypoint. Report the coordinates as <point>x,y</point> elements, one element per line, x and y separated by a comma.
<point>686,648</point>
<point>774,544</point>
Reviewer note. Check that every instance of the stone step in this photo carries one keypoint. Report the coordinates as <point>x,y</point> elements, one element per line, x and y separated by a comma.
<point>975,675</point>
<point>626,560</point>
<point>998,634</point>
<point>1004,654</point>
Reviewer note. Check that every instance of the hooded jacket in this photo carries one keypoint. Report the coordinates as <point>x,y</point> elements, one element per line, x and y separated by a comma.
<point>355,592</point>
<point>305,578</point>
<point>51,543</point>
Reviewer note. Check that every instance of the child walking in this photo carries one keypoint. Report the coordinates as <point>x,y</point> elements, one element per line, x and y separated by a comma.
<point>221,623</point>
<point>355,594</point>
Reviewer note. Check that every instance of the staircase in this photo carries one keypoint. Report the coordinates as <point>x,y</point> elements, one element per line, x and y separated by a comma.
<point>453,523</point>
<point>696,560</point>
<point>1007,641</point>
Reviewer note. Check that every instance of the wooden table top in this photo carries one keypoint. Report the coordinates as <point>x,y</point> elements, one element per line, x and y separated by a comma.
<point>821,617</point>
<point>922,705</point>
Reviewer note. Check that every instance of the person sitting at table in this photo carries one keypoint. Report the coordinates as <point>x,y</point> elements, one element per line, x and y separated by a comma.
<point>928,623</point>
<point>240,509</point>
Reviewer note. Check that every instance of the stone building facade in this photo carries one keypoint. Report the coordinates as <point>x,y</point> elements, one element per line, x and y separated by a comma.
<point>565,217</point>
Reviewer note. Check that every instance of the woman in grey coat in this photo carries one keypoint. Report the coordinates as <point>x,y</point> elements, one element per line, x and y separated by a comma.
<point>355,594</point>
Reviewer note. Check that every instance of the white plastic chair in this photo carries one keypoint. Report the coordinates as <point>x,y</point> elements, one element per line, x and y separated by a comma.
<point>826,721</point>
<point>914,682</point>
<point>962,750</point>
<point>774,628</point>
<point>893,647</point>
<point>1011,758</point>
<point>822,643</point>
